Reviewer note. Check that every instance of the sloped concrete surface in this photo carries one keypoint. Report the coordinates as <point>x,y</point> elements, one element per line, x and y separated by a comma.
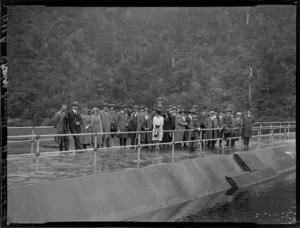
<point>124,194</point>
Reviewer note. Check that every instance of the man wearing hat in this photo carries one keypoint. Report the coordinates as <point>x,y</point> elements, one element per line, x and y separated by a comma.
<point>194,108</point>
<point>132,125</point>
<point>237,125</point>
<point>85,140</point>
<point>146,138</point>
<point>113,114</point>
<point>74,124</point>
<point>227,125</point>
<point>195,133</point>
<point>211,122</point>
<point>180,124</point>
<point>140,118</point>
<point>219,118</point>
<point>188,119</point>
<point>203,116</point>
<point>122,122</point>
<point>106,119</point>
<point>60,122</point>
<point>248,121</point>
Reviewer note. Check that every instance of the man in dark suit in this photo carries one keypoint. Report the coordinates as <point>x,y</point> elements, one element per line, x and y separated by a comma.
<point>74,124</point>
<point>227,125</point>
<point>248,121</point>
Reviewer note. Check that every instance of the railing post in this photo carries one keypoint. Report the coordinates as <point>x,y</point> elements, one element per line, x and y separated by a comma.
<point>271,129</point>
<point>272,136</point>
<point>74,152</point>
<point>280,132</point>
<point>200,140</point>
<point>95,150</point>
<point>37,154</point>
<point>32,140</point>
<point>173,143</point>
<point>284,133</point>
<point>139,146</point>
<point>288,130</point>
<point>260,132</point>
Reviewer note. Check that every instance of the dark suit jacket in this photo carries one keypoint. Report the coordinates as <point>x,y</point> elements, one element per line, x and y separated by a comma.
<point>73,118</point>
<point>226,121</point>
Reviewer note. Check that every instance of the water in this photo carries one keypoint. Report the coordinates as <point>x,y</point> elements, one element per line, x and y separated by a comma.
<point>271,202</point>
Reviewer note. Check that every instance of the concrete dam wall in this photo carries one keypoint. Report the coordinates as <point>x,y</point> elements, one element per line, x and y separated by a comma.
<point>124,194</point>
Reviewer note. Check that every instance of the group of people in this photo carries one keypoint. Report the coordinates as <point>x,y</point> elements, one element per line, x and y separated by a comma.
<point>159,125</point>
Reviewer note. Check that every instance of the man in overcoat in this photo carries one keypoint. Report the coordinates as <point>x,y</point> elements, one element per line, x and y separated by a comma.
<point>106,119</point>
<point>211,122</point>
<point>132,125</point>
<point>227,125</point>
<point>74,118</point>
<point>237,125</point>
<point>122,122</point>
<point>248,121</point>
<point>203,116</point>
<point>114,125</point>
<point>180,124</point>
<point>195,133</point>
<point>219,118</point>
<point>146,138</point>
<point>60,122</point>
<point>85,126</point>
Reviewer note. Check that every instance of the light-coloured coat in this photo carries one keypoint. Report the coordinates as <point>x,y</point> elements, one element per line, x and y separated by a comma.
<point>86,122</point>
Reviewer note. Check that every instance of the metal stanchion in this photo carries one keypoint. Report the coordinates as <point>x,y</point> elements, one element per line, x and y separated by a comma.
<point>272,136</point>
<point>284,134</point>
<point>95,150</point>
<point>173,143</point>
<point>260,132</point>
<point>32,141</point>
<point>74,152</point>
<point>139,146</point>
<point>271,130</point>
<point>37,154</point>
<point>200,140</point>
<point>288,130</point>
<point>259,137</point>
<point>280,131</point>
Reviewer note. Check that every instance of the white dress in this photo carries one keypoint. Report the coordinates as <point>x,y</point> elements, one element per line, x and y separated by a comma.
<point>158,120</point>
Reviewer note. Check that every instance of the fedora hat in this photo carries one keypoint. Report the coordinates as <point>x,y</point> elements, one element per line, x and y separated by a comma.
<point>75,103</point>
<point>228,110</point>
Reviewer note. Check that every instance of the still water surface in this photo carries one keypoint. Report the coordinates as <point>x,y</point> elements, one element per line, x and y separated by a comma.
<point>271,202</point>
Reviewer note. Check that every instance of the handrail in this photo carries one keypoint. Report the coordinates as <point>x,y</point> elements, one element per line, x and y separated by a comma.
<point>29,127</point>
<point>38,138</point>
<point>136,132</point>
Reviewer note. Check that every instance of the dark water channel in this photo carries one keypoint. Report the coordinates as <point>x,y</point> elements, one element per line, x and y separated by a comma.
<point>271,202</point>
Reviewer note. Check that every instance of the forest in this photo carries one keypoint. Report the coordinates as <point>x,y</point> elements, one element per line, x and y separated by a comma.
<point>206,56</point>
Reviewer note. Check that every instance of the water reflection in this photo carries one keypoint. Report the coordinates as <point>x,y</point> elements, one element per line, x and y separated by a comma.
<point>272,202</point>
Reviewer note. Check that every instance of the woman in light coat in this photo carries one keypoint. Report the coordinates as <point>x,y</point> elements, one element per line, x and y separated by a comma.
<point>157,132</point>
<point>96,126</point>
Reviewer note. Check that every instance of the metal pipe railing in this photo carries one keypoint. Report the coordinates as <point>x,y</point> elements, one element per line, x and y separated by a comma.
<point>37,139</point>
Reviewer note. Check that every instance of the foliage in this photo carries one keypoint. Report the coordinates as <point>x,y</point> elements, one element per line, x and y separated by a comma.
<point>128,55</point>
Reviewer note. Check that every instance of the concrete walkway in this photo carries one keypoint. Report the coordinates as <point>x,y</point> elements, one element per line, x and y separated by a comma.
<point>21,170</point>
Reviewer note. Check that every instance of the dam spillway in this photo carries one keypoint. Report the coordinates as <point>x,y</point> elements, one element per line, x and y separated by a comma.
<point>124,194</point>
